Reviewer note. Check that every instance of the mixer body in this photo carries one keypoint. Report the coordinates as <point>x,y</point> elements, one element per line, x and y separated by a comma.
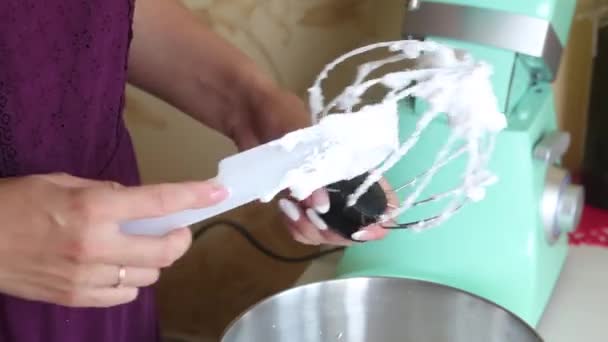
<point>510,247</point>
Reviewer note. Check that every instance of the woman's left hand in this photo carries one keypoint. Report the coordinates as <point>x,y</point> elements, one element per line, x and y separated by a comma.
<point>274,112</point>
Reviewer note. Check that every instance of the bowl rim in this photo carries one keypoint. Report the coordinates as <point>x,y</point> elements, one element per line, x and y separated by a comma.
<point>285,292</point>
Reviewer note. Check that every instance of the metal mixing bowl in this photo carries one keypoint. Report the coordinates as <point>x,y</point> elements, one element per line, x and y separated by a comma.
<point>378,310</point>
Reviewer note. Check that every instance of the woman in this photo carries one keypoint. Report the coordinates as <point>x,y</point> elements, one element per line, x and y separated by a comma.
<point>68,168</point>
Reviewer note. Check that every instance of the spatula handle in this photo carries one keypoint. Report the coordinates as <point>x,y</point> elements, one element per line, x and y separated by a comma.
<point>248,176</point>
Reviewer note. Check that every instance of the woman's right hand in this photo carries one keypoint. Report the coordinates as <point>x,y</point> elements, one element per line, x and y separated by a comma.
<point>60,241</point>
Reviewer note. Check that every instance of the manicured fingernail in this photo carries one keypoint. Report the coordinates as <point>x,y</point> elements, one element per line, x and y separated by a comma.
<point>320,201</point>
<point>290,209</point>
<point>220,193</point>
<point>316,219</point>
<point>361,235</point>
<point>217,191</point>
<point>322,208</point>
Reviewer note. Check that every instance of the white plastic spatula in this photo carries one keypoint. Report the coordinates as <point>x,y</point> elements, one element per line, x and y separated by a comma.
<point>248,176</point>
<point>305,160</point>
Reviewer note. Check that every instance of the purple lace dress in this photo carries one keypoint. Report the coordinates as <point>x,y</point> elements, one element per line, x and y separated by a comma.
<point>62,78</point>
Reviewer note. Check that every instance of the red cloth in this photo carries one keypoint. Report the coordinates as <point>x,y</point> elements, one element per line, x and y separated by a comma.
<point>593,229</point>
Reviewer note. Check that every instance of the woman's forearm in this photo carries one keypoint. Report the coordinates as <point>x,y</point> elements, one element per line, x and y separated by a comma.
<point>178,59</point>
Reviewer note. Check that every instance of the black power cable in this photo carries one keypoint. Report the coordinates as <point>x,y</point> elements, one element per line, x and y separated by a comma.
<point>243,231</point>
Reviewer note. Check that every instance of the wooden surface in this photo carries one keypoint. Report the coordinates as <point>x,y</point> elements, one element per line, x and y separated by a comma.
<point>222,275</point>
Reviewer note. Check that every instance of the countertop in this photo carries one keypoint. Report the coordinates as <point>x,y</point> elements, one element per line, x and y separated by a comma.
<point>578,310</point>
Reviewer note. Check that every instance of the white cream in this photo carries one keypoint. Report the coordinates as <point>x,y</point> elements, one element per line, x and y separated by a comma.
<point>349,145</point>
<point>450,81</point>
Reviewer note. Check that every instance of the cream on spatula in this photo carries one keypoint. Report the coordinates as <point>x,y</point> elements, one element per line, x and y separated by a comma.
<point>340,147</point>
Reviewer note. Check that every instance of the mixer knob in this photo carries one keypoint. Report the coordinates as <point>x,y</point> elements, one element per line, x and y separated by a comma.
<point>570,208</point>
<point>561,205</point>
<point>552,147</point>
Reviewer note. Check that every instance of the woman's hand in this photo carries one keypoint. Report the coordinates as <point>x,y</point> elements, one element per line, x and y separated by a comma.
<point>272,113</point>
<point>60,240</point>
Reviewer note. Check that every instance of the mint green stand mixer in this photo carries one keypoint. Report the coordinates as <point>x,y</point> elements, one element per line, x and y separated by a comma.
<point>510,247</point>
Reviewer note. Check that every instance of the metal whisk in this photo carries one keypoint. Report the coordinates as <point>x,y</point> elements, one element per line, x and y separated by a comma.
<point>458,93</point>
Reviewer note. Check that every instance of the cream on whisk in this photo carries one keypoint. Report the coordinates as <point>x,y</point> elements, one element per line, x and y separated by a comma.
<point>450,81</point>
<point>349,145</point>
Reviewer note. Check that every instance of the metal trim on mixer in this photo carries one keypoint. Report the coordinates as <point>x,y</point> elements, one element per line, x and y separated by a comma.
<point>561,204</point>
<point>555,180</point>
<point>519,33</point>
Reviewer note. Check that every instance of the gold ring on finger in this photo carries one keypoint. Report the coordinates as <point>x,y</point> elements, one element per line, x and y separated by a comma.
<point>122,274</point>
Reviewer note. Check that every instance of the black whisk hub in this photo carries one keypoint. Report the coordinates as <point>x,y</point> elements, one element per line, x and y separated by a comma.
<point>347,220</point>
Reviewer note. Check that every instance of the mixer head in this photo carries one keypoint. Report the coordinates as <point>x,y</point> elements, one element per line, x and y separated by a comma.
<point>534,39</point>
